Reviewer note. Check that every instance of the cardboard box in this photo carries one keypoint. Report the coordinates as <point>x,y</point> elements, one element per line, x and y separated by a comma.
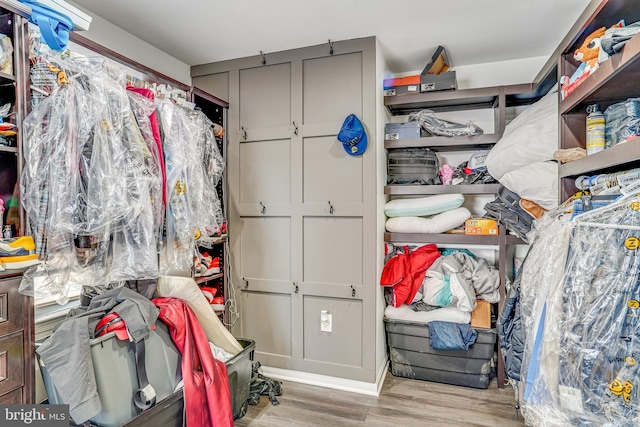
<point>436,75</point>
<point>439,62</point>
<point>408,85</point>
<point>401,81</point>
<point>395,131</point>
<point>481,316</point>
<point>481,227</point>
<point>433,82</point>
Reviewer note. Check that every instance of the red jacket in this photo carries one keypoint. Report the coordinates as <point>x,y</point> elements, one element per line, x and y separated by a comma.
<point>207,399</point>
<point>405,272</point>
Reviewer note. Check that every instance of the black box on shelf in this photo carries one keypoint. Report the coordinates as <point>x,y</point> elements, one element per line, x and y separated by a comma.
<point>395,131</point>
<point>433,82</point>
<point>436,74</point>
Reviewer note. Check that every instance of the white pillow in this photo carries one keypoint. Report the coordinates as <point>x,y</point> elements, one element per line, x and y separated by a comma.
<point>537,182</point>
<point>423,206</point>
<point>186,289</point>
<point>529,138</point>
<point>444,314</point>
<point>436,224</point>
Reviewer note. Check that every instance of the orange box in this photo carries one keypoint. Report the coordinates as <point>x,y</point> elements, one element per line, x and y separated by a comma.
<point>481,227</point>
<point>481,316</point>
<point>401,81</point>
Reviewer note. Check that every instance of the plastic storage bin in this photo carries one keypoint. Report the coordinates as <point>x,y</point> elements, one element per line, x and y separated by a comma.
<point>169,412</point>
<point>412,356</point>
<point>116,378</point>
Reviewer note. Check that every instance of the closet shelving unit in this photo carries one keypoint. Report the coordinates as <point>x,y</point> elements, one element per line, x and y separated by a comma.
<point>215,109</point>
<point>614,81</point>
<point>497,98</point>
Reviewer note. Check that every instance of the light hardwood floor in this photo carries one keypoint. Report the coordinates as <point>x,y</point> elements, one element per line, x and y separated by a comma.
<point>403,402</point>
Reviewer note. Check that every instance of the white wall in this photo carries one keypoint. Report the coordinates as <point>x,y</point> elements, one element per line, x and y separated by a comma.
<point>118,40</point>
<point>382,117</point>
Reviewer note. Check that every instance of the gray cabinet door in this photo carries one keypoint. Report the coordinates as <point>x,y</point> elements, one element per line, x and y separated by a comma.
<point>265,177</point>
<point>303,210</point>
<point>265,100</point>
<point>332,88</point>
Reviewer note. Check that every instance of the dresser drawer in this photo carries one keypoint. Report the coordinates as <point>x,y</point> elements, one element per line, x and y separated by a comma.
<point>12,398</point>
<point>11,306</point>
<point>11,362</point>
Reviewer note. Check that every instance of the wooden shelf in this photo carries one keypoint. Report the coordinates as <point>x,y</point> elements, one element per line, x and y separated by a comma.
<point>514,240</point>
<point>444,143</point>
<point>4,148</point>
<point>444,100</point>
<point>462,239</point>
<point>441,189</point>
<point>618,157</point>
<point>204,279</point>
<point>615,80</point>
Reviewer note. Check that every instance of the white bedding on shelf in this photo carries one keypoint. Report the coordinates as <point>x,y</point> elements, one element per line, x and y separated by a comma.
<point>444,314</point>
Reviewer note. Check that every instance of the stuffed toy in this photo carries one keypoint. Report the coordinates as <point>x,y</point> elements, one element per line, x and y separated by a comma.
<point>587,54</point>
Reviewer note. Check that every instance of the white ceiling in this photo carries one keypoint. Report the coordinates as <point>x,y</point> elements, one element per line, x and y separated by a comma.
<point>472,31</point>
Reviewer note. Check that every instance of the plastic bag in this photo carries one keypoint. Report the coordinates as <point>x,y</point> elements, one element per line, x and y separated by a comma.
<point>86,187</point>
<point>439,127</point>
<point>583,334</point>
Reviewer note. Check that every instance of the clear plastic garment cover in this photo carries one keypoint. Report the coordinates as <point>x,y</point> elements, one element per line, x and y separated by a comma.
<point>92,184</point>
<point>580,307</point>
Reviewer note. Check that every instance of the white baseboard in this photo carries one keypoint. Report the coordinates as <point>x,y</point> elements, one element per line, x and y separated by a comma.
<point>371,389</point>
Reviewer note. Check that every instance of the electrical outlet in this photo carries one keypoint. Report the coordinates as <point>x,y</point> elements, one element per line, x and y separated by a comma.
<point>326,323</point>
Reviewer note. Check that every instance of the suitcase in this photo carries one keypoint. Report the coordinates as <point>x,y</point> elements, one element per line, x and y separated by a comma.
<point>412,166</point>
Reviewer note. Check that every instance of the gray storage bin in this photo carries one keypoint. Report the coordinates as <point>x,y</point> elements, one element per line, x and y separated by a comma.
<point>115,373</point>
<point>169,412</point>
<point>116,378</point>
<point>412,356</point>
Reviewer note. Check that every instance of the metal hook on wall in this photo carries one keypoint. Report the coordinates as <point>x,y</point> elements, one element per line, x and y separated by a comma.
<point>296,285</point>
<point>330,207</point>
<point>246,283</point>
<point>264,208</point>
<point>330,47</point>
<point>244,133</point>
<point>295,128</point>
<point>353,291</point>
<point>264,58</point>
